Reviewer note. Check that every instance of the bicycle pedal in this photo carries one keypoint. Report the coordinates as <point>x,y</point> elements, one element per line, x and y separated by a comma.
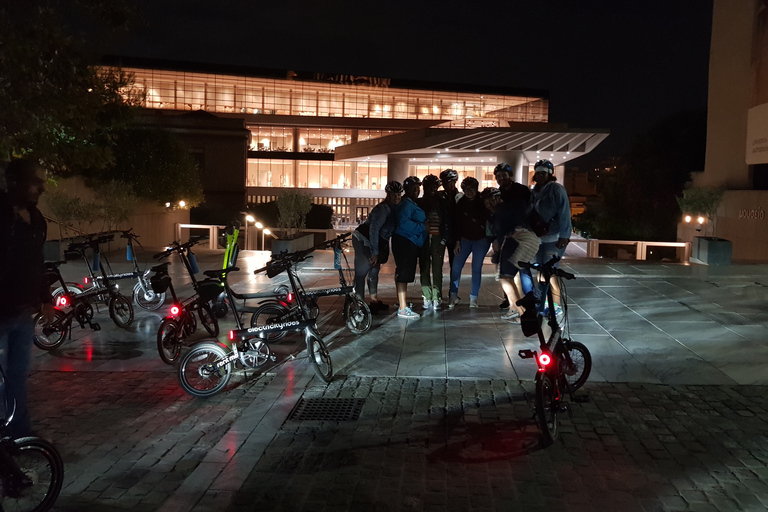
<point>95,327</point>
<point>582,399</point>
<point>564,408</point>
<point>272,358</point>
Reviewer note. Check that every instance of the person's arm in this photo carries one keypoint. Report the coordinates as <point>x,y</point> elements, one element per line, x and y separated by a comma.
<point>377,219</point>
<point>564,218</point>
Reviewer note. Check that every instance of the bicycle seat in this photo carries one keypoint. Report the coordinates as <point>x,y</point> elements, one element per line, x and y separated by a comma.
<point>161,267</point>
<point>217,273</point>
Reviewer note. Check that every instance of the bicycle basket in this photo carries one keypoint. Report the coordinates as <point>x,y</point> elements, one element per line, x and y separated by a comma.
<point>209,289</point>
<point>160,282</point>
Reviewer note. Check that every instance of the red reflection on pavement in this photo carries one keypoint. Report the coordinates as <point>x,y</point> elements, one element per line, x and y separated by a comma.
<point>88,352</point>
<point>289,387</point>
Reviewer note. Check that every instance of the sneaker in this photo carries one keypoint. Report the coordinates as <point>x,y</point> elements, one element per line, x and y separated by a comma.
<point>436,304</point>
<point>377,307</point>
<point>473,302</point>
<point>453,301</point>
<point>511,314</point>
<point>504,304</point>
<point>407,313</point>
<point>426,303</point>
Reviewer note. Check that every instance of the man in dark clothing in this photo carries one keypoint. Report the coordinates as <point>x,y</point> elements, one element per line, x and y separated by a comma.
<point>450,196</point>
<point>432,253</point>
<point>22,274</point>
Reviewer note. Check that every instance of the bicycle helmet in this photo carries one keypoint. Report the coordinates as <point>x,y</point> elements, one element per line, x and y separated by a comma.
<point>394,187</point>
<point>502,167</point>
<point>449,175</point>
<point>470,183</point>
<point>430,180</point>
<point>411,181</point>
<point>489,192</point>
<point>544,166</point>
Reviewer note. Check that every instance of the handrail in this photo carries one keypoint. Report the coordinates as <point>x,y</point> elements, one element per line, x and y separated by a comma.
<point>593,247</point>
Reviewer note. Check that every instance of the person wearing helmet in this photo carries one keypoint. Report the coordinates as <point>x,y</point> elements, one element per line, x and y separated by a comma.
<point>371,243</point>
<point>407,240</point>
<point>450,196</point>
<point>432,253</point>
<point>550,201</point>
<point>511,191</point>
<point>470,232</point>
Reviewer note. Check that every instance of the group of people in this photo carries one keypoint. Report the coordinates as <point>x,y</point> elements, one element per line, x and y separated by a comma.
<point>515,222</point>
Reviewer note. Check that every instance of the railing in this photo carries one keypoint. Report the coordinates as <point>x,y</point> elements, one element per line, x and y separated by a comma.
<point>593,248</point>
<point>213,232</point>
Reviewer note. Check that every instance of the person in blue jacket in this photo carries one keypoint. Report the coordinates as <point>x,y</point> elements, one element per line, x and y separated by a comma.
<point>407,240</point>
<point>550,200</point>
<point>371,243</point>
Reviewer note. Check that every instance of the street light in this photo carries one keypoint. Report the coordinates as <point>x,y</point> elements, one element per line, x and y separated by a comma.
<point>265,231</point>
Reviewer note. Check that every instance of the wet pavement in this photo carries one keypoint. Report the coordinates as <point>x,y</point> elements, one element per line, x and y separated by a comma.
<point>677,420</point>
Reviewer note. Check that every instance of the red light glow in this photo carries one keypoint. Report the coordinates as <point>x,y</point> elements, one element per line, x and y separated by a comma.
<point>175,310</point>
<point>231,335</point>
<point>290,297</point>
<point>61,302</point>
<point>544,359</point>
<point>85,280</point>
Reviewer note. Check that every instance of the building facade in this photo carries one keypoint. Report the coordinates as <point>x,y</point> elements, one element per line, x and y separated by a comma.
<point>344,137</point>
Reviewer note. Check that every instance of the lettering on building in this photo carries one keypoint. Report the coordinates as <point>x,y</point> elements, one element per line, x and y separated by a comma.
<point>754,214</point>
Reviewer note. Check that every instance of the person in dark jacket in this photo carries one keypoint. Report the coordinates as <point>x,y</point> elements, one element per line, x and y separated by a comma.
<point>23,231</point>
<point>407,240</point>
<point>450,196</point>
<point>469,224</point>
<point>432,253</point>
<point>371,243</point>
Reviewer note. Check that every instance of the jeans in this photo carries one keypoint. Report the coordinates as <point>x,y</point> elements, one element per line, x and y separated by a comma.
<point>364,270</point>
<point>431,259</point>
<point>15,353</point>
<point>478,249</point>
<point>546,251</point>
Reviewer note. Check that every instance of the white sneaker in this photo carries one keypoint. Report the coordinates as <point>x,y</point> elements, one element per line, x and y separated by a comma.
<point>510,315</point>
<point>436,304</point>
<point>453,301</point>
<point>407,313</point>
<point>426,303</point>
<point>473,302</point>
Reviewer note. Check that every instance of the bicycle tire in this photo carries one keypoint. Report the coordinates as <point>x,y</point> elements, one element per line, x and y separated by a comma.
<point>146,298</point>
<point>121,311</point>
<point>189,322</point>
<point>208,320</point>
<point>265,315</point>
<point>72,288</point>
<point>582,360</point>
<point>197,373</point>
<point>546,408</point>
<point>319,356</point>
<point>168,340</point>
<point>357,314</point>
<point>41,462</point>
<point>57,335</point>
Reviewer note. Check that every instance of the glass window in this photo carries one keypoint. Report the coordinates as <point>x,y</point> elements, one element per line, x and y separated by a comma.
<point>271,138</point>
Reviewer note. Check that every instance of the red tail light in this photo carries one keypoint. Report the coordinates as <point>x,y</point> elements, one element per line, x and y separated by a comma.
<point>175,310</point>
<point>86,279</point>
<point>61,301</point>
<point>231,335</point>
<point>544,359</point>
<point>290,297</point>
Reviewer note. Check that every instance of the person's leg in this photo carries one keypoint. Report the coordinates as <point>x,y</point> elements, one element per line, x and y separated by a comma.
<point>437,258</point>
<point>16,368</point>
<point>362,265</point>
<point>508,285</point>
<point>424,277</point>
<point>449,248</point>
<point>479,250</point>
<point>402,295</point>
<point>373,282</point>
<point>458,265</point>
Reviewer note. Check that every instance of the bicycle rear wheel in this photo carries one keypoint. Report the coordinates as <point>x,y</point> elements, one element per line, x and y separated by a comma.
<point>52,336</point>
<point>121,311</point>
<point>41,463</point>
<point>357,314</point>
<point>546,408</point>
<point>169,340</point>
<point>577,371</point>
<point>208,319</point>
<point>266,315</point>
<point>146,298</point>
<point>319,356</point>
<point>199,374</point>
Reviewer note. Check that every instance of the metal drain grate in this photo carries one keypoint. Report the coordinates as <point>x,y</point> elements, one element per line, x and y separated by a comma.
<point>327,409</point>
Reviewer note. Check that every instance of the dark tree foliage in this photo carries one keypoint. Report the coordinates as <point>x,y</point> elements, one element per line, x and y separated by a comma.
<point>639,201</point>
<point>55,106</point>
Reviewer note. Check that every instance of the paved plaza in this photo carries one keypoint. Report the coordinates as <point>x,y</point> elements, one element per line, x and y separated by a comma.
<point>677,420</point>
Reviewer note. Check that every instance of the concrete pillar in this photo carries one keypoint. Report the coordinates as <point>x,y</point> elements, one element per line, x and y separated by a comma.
<point>397,168</point>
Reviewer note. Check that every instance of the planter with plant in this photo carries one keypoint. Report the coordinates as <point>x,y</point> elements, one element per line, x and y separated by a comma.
<point>699,205</point>
<point>292,207</point>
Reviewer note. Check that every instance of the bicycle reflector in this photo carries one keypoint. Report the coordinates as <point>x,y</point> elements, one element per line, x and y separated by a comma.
<point>61,301</point>
<point>544,359</point>
<point>175,310</point>
<point>86,279</point>
<point>231,335</point>
<point>290,297</point>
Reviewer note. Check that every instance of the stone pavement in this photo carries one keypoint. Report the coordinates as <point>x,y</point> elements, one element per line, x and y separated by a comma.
<point>677,419</point>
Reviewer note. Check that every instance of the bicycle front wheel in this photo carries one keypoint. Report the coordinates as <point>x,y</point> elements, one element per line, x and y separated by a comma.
<point>201,373</point>
<point>208,319</point>
<point>546,408</point>
<point>357,314</point>
<point>146,298</point>
<point>169,340</point>
<point>121,311</point>
<point>319,356</point>
<point>576,371</point>
<point>51,336</point>
<point>41,463</point>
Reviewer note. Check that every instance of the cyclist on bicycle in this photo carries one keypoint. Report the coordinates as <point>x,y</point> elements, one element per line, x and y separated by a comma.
<point>371,243</point>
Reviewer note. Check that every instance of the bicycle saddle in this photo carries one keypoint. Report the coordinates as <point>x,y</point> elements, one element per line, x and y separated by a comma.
<point>161,267</point>
<point>217,273</point>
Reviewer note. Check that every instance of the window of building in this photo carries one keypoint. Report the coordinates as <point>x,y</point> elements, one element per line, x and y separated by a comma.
<point>269,173</point>
<point>271,138</point>
<point>371,175</point>
<point>323,140</point>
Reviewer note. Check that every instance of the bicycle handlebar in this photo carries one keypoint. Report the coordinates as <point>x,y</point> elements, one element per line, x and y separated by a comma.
<point>128,234</point>
<point>174,247</point>
<point>548,268</point>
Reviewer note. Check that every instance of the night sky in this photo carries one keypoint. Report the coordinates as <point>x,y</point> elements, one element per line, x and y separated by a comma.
<point>608,64</point>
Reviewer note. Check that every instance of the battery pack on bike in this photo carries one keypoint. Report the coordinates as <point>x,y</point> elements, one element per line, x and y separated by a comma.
<point>96,261</point>
<point>192,262</point>
<point>128,253</point>
<point>337,258</point>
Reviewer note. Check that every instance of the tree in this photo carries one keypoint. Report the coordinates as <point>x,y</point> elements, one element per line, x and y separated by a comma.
<point>702,201</point>
<point>293,207</point>
<point>55,106</point>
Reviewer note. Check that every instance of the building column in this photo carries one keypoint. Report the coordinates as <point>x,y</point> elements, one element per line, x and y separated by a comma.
<point>397,168</point>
